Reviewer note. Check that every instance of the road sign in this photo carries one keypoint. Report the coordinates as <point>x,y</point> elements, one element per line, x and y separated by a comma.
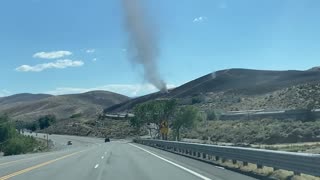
<point>164,129</point>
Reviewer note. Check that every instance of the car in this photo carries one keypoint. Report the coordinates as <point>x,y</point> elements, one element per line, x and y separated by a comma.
<point>69,143</point>
<point>107,140</point>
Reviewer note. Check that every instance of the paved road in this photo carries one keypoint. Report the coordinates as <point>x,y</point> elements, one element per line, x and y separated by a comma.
<point>91,158</point>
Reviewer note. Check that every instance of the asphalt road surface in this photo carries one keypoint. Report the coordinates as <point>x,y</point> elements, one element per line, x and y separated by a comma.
<point>91,158</point>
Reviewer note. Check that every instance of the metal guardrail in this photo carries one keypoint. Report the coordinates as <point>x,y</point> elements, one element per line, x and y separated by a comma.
<point>296,162</point>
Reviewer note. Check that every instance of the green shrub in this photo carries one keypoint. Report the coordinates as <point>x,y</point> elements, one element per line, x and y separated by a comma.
<point>19,145</point>
<point>196,100</point>
<point>46,121</point>
<point>33,126</point>
<point>7,131</point>
<point>11,142</point>
<point>212,115</point>
<point>77,115</point>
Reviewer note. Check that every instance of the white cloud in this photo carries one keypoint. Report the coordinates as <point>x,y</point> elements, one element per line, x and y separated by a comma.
<point>94,59</point>
<point>52,54</point>
<point>4,92</point>
<point>58,64</point>
<point>131,90</point>
<point>200,19</point>
<point>90,50</point>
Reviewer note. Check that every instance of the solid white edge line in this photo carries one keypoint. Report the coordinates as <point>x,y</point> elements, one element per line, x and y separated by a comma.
<point>219,167</point>
<point>172,163</point>
<point>97,165</point>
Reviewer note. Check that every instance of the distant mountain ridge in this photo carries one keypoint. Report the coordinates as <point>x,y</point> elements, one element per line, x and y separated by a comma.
<point>247,81</point>
<point>29,107</point>
<point>23,97</point>
<point>243,82</point>
<point>236,88</point>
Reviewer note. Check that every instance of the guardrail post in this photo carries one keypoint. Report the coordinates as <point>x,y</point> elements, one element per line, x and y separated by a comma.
<point>234,161</point>
<point>296,173</point>
<point>194,153</point>
<point>199,154</point>
<point>204,155</point>
<point>217,158</point>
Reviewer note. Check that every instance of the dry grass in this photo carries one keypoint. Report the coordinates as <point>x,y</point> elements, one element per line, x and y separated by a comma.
<point>266,171</point>
<point>309,147</point>
<point>305,177</point>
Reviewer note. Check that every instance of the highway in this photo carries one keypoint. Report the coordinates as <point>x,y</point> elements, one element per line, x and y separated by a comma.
<point>91,158</point>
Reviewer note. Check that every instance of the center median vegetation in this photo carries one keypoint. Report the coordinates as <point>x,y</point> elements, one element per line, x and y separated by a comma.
<point>12,142</point>
<point>158,115</point>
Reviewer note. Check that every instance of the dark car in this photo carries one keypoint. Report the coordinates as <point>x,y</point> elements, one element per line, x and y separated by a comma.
<point>107,140</point>
<point>69,142</point>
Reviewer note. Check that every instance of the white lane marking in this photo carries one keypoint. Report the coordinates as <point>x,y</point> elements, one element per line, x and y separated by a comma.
<point>97,165</point>
<point>102,157</point>
<point>177,165</point>
<point>219,167</point>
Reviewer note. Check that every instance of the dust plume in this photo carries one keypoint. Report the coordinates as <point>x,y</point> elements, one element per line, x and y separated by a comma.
<point>143,41</point>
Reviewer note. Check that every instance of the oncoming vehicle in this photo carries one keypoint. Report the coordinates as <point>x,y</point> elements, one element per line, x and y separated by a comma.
<point>107,140</point>
<point>69,143</point>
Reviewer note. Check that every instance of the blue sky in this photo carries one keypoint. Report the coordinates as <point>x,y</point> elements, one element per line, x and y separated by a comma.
<point>71,46</point>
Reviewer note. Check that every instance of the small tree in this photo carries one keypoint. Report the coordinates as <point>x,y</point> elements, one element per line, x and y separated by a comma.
<point>7,130</point>
<point>309,114</point>
<point>46,121</point>
<point>196,100</point>
<point>153,112</point>
<point>77,115</point>
<point>184,118</point>
<point>212,115</point>
<point>33,126</point>
<point>4,118</point>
